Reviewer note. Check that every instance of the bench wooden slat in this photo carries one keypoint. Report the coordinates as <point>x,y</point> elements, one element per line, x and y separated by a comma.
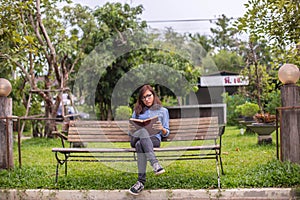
<point>214,131</point>
<point>117,128</point>
<point>202,120</point>
<point>97,123</point>
<point>93,150</point>
<point>172,122</point>
<point>98,130</point>
<point>97,138</point>
<point>120,150</point>
<point>198,130</point>
<point>172,138</point>
<point>91,140</point>
<point>92,131</point>
<point>127,139</point>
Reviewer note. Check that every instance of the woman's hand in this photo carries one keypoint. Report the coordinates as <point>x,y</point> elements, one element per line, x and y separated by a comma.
<point>131,128</point>
<point>159,126</point>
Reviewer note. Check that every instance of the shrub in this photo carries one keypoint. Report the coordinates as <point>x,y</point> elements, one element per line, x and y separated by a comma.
<point>123,113</point>
<point>248,109</point>
<point>19,110</point>
<point>273,101</point>
<point>232,102</point>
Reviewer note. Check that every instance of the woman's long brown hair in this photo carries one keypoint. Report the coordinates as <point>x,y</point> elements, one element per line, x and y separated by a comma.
<point>140,107</point>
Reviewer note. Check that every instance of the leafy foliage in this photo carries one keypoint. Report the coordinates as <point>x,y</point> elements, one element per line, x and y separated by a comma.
<point>232,102</point>
<point>273,28</point>
<point>276,22</point>
<point>123,51</point>
<point>260,84</point>
<point>223,34</point>
<point>34,40</point>
<point>206,44</point>
<point>123,113</point>
<point>273,101</point>
<point>228,61</point>
<point>248,109</point>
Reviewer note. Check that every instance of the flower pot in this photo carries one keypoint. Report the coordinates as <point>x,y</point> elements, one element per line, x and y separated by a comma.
<point>264,131</point>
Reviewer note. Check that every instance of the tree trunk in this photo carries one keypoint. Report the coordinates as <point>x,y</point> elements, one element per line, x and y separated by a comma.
<point>49,127</point>
<point>37,128</point>
<point>109,112</point>
<point>50,123</point>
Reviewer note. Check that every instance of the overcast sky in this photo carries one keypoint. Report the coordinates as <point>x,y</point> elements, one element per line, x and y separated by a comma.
<point>159,10</point>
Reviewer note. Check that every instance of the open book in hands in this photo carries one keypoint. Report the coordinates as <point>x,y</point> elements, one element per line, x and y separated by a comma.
<point>146,123</point>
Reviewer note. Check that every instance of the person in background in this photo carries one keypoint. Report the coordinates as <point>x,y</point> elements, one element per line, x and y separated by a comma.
<point>148,105</point>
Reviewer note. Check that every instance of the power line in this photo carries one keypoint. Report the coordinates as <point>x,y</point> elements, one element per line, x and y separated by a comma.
<point>184,20</point>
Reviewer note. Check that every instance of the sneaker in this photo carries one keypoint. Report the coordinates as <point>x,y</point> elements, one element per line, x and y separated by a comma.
<point>136,188</point>
<point>157,168</point>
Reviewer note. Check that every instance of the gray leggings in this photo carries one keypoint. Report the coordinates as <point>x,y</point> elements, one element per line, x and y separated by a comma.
<point>144,148</point>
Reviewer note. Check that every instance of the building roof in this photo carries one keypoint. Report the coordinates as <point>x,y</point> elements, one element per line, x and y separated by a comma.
<point>222,73</point>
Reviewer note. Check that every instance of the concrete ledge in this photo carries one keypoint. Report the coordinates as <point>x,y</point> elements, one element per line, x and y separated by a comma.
<point>232,194</point>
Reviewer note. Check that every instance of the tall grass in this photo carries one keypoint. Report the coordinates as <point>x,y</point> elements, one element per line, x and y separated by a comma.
<point>246,164</point>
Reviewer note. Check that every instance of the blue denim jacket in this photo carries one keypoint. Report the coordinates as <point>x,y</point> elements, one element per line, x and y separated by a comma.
<point>163,117</point>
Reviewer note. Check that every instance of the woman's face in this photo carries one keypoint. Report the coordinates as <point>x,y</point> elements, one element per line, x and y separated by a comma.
<point>148,98</point>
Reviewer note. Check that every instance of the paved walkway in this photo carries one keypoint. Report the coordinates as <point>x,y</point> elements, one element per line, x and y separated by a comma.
<point>232,194</point>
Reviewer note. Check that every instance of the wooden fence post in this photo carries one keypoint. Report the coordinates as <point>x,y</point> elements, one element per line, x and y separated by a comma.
<point>6,133</point>
<point>290,124</point>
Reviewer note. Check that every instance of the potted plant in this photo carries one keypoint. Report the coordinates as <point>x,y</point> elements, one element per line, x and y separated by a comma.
<point>248,110</point>
<point>264,118</point>
<point>269,114</point>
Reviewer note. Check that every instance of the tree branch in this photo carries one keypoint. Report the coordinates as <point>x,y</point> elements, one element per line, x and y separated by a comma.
<point>27,76</point>
<point>52,60</point>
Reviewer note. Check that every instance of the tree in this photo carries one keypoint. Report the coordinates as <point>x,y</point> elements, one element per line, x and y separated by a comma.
<point>202,47</point>
<point>259,71</point>
<point>113,20</point>
<point>34,41</point>
<point>259,84</point>
<point>273,28</point>
<point>276,22</point>
<point>228,60</point>
<point>46,43</point>
<point>226,46</point>
<point>122,47</point>
<point>224,35</point>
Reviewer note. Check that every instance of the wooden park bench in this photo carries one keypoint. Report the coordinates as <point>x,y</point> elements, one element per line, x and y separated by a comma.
<point>183,133</point>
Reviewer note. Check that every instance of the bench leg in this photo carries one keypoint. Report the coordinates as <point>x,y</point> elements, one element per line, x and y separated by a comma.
<point>66,168</point>
<point>61,162</point>
<point>218,171</point>
<point>56,173</point>
<point>220,152</point>
<point>221,163</point>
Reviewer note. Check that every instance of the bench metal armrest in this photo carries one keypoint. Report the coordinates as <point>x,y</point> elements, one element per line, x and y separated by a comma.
<point>62,136</point>
<point>221,129</point>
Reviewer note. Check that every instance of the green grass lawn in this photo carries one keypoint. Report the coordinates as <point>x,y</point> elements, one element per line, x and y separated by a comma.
<point>246,164</point>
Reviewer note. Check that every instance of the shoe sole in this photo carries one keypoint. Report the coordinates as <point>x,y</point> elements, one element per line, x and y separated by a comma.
<point>160,172</point>
<point>135,194</point>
